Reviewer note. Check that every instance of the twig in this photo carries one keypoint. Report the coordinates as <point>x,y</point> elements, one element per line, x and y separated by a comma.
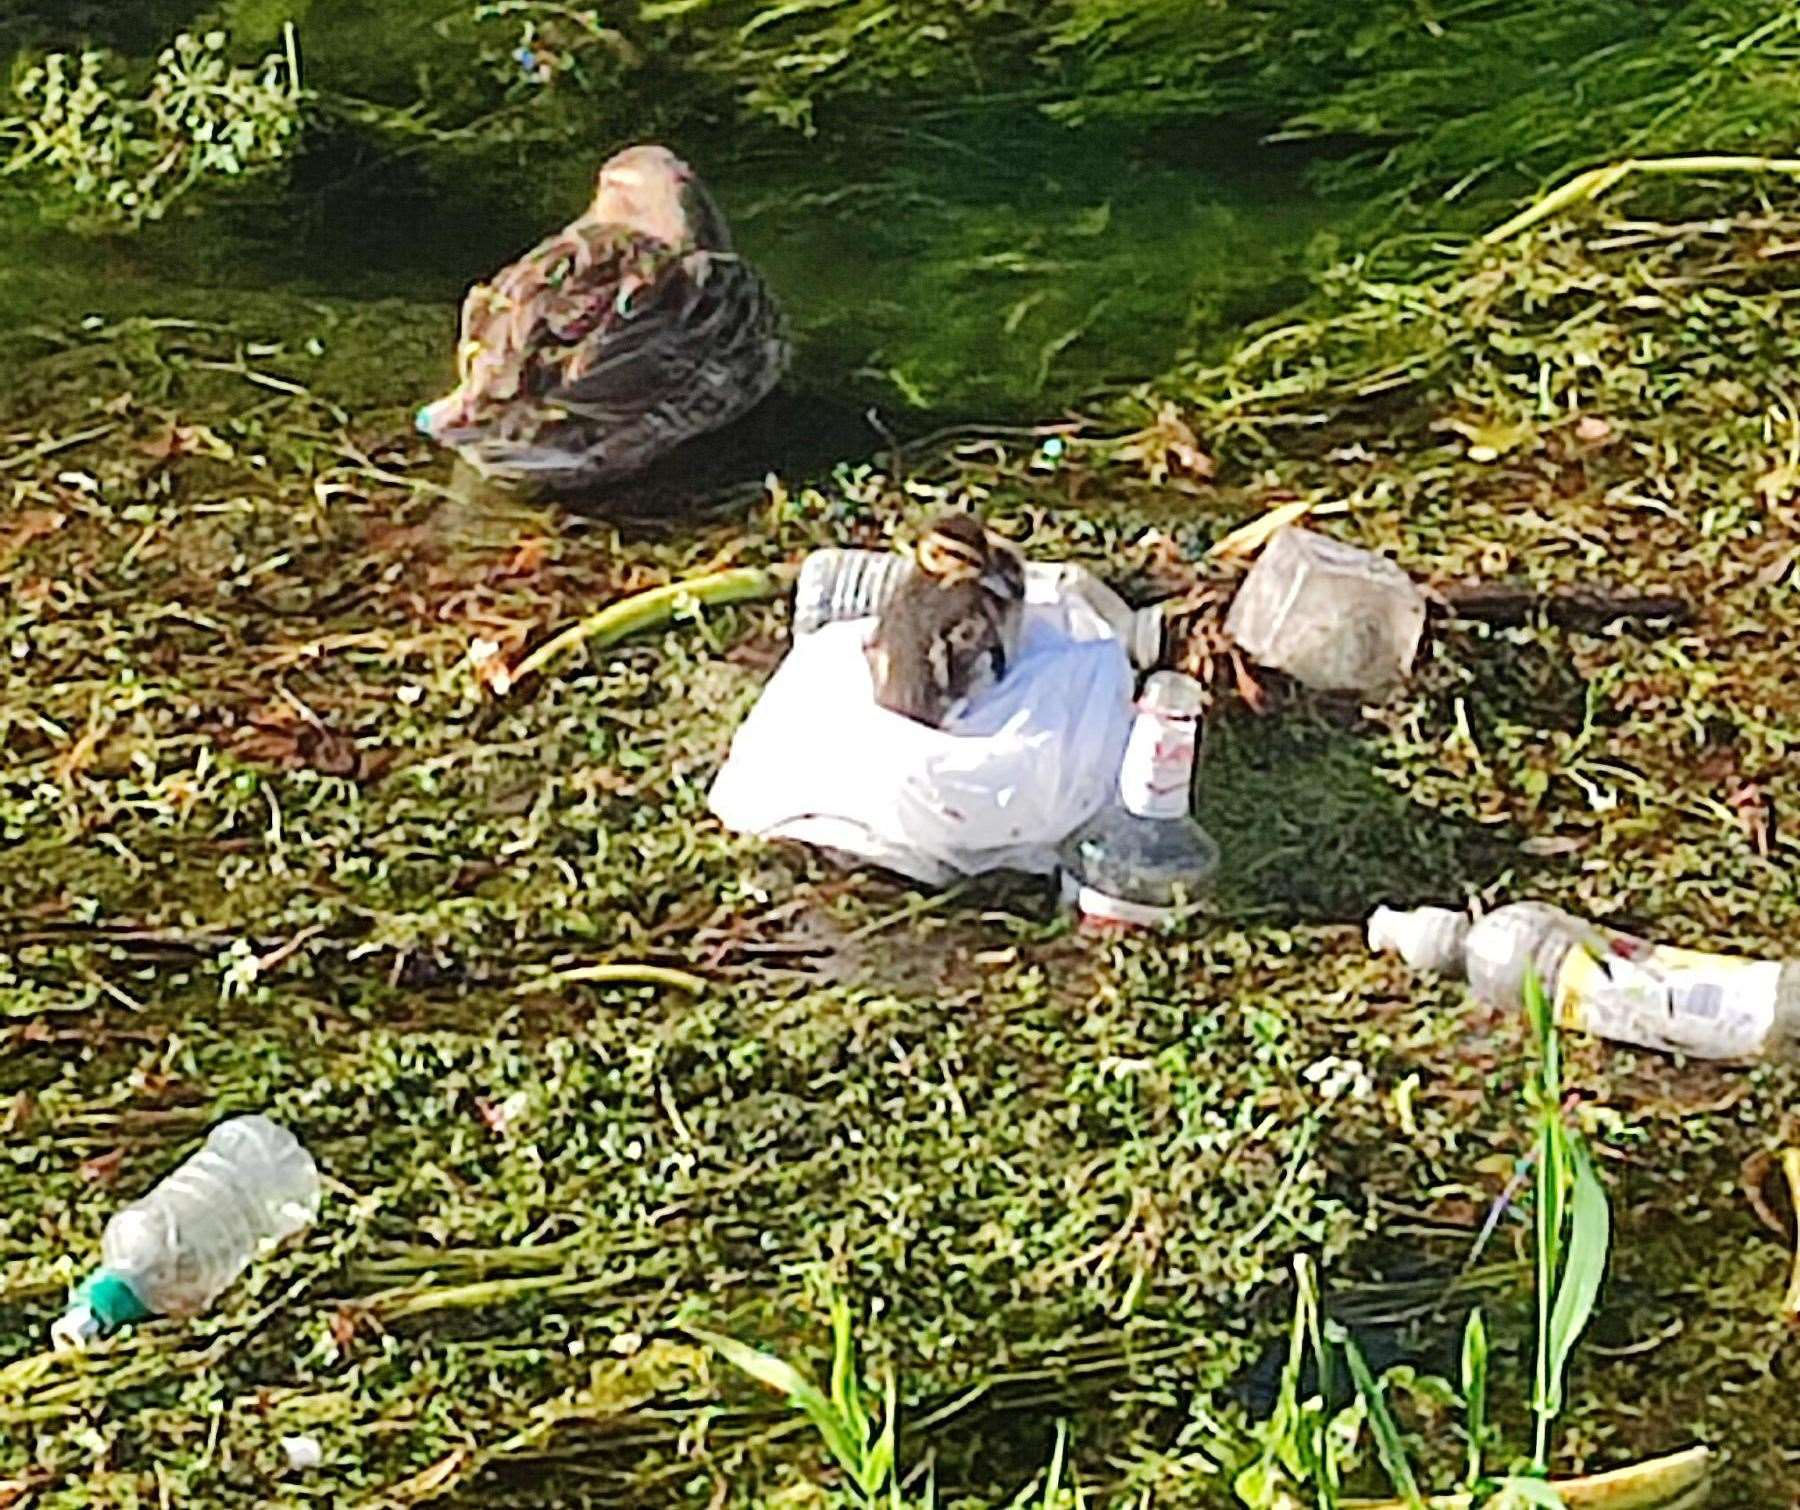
<point>1655,1483</point>
<point>59,443</point>
<point>1590,185</point>
<point>918,907</point>
<point>1507,605</point>
<point>621,974</point>
<point>1790,1166</point>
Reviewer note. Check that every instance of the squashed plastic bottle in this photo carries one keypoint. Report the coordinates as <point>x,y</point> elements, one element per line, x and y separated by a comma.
<point>1141,858</point>
<point>172,1252</point>
<point>842,583</point>
<point>1330,615</point>
<point>1710,1006</point>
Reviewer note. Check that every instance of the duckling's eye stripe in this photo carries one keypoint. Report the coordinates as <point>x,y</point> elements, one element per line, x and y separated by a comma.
<point>946,558</point>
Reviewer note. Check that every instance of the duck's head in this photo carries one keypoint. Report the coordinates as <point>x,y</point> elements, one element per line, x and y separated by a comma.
<point>652,191</point>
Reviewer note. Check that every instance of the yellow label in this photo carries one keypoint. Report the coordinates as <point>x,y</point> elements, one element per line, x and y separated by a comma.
<point>1714,1006</point>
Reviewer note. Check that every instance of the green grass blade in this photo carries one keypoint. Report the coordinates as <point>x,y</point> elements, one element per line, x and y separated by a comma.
<point>1053,1482</point>
<point>1590,1234</point>
<point>1548,1217</point>
<point>1388,1446</point>
<point>845,1394</point>
<point>800,1391</point>
<point>1474,1384</point>
<point>878,1467</point>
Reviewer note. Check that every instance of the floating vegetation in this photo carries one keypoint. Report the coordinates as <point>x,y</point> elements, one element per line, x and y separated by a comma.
<point>114,160</point>
<point>589,1076</point>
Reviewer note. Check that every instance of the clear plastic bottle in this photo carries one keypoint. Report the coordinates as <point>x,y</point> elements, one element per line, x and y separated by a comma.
<point>841,583</point>
<point>1710,1006</point>
<point>1330,615</point>
<point>1142,859</point>
<point>173,1251</point>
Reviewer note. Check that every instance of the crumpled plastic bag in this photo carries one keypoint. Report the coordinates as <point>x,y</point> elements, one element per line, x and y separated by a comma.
<point>1020,767</point>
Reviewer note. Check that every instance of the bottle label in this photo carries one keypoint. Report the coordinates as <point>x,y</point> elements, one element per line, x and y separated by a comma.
<point>1158,765</point>
<point>1106,908</point>
<point>1713,1006</point>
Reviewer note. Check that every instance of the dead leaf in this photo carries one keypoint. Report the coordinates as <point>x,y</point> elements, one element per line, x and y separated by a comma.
<point>345,1323</point>
<point>1248,688</point>
<point>177,440</point>
<point>1753,1182</point>
<point>756,655</point>
<point>1457,1211</point>
<point>1249,538</point>
<point>1772,574</point>
<point>279,735</point>
<point>29,525</point>
<point>1489,440</point>
<point>1754,815</point>
<point>102,1169</point>
<point>1168,447</point>
<point>526,560</point>
<point>432,1481</point>
<point>1545,845</point>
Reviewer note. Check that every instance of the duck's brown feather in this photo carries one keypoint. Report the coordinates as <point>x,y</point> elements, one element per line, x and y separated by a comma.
<point>601,350</point>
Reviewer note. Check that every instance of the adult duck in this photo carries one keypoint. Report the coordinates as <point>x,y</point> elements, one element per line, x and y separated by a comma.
<point>607,346</point>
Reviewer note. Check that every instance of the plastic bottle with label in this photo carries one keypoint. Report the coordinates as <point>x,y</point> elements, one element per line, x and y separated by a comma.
<point>1142,860</point>
<point>172,1252</point>
<point>1601,981</point>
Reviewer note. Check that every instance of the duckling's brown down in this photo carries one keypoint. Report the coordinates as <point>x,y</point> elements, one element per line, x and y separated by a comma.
<point>951,628</point>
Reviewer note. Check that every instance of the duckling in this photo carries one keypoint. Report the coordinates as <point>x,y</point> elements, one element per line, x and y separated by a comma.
<point>951,628</point>
<point>608,345</point>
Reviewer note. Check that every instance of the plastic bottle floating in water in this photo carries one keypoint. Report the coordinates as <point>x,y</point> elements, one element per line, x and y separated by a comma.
<point>174,1251</point>
<point>1710,1006</point>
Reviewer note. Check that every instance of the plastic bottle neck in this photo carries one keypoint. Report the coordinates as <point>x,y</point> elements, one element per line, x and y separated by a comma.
<point>1158,769</point>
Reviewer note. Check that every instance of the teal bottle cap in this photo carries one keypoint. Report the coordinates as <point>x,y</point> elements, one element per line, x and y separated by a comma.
<point>111,1300</point>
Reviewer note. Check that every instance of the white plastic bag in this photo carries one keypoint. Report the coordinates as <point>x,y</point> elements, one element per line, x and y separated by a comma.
<point>1021,766</point>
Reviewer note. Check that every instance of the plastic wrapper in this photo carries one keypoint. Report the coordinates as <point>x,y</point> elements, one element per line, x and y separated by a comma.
<point>1018,769</point>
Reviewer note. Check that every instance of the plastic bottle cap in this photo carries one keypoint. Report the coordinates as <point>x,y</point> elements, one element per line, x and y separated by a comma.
<point>303,1453</point>
<point>74,1329</point>
<point>102,1303</point>
<point>1427,938</point>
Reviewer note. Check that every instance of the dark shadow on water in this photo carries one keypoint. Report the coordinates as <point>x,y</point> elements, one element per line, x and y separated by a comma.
<point>801,437</point>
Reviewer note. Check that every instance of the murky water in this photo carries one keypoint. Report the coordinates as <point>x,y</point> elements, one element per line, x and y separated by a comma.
<point>998,269</point>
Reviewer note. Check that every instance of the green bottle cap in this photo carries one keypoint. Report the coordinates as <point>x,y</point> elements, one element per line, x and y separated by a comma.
<point>111,1300</point>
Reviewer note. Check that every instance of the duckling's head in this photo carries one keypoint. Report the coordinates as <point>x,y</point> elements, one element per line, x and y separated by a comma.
<point>652,191</point>
<point>955,548</point>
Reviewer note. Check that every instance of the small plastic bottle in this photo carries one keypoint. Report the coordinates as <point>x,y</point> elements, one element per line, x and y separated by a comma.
<point>172,1252</point>
<point>842,583</point>
<point>1709,1006</point>
<point>1142,859</point>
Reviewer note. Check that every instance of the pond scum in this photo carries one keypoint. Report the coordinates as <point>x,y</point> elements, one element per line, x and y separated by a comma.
<point>273,841</point>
